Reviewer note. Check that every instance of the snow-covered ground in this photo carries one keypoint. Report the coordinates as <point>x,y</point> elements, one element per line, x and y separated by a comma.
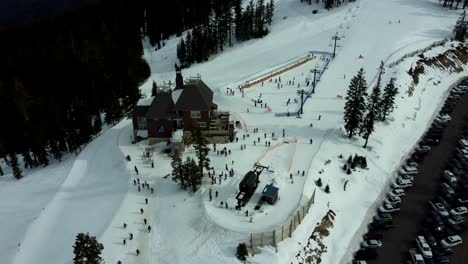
<point>94,192</point>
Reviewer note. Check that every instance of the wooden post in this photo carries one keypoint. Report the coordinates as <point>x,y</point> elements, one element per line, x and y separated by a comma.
<point>261,244</point>
<point>274,239</point>
<point>251,244</point>
<point>282,232</point>
<point>290,228</point>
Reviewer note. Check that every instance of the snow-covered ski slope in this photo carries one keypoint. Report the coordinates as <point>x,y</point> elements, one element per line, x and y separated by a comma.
<point>93,192</point>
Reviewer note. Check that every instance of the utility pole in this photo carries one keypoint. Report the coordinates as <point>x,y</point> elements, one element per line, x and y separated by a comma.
<point>301,92</point>
<point>335,38</point>
<point>315,71</point>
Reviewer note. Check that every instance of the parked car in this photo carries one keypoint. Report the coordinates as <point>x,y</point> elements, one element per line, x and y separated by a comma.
<point>448,177</point>
<point>402,184</point>
<point>422,149</point>
<point>439,208</point>
<point>447,190</point>
<point>359,262</point>
<point>461,210</point>
<point>456,220</point>
<point>452,230</point>
<point>373,235</point>
<point>463,143</point>
<point>424,247</point>
<point>430,142</point>
<point>406,177</point>
<point>384,217</point>
<point>393,200</point>
<point>371,243</point>
<point>442,260</point>
<point>408,170</point>
<point>396,192</point>
<point>462,201</point>
<point>451,241</point>
<point>380,225</point>
<point>416,258</point>
<point>388,208</point>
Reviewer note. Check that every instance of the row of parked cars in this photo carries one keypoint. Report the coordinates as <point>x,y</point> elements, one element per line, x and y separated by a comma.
<point>442,228</point>
<point>453,215</point>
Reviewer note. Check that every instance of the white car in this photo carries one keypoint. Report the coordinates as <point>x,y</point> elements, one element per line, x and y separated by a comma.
<point>449,177</point>
<point>405,177</point>
<point>371,244</point>
<point>393,200</point>
<point>401,184</point>
<point>415,257</point>
<point>423,148</point>
<point>463,143</point>
<point>439,208</point>
<point>396,192</point>
<point>408,170</point>
<point>424,247</point>
<point>456,219</point>
<point>443,118</point>
<point>451,241</point>
<point>388,208</point>
<point>461,210</point>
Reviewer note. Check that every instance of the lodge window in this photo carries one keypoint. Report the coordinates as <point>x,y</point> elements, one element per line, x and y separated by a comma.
<point>142,123</point>
<point>195,114</point>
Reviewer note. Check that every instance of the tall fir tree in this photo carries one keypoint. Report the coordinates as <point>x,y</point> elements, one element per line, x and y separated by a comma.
<point>238,19</point>
<point>460,29</point>
<point>194,175</point>
<point>154,89</point>
<point>388,99</point>
<point>373,106</point>
<point>87,250</point>
<point>15,166</point>
<point>178,170</point>
<point>355,103</point>
<point>201,150</point>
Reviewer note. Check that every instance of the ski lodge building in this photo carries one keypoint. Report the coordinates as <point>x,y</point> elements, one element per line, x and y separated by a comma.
<point>190,105</point>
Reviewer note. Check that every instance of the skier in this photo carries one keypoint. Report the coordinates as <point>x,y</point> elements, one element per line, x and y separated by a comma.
<point>138,180</point>
<point>303,173</point>
<point>152,164</point>
<point>124,225</point>
<point>131,236</point>
<point>144,220</point>
<point>284,132</point>
<point>124,242</point>
<point>290,176</point>
<point>139,188</point>
<point>320,116</point>
<point>137,252</point>
<point>311,141</point>
<point>119,262</point>
<point>134,182</point>
<point>226,205</point>
<point>141,211</point>
<point>149,228</point>
<point>216,194</point>
<point>136,170</point>
<point>152,190</point>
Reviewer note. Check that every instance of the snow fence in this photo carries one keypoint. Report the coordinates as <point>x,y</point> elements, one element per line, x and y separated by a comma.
<point>273,237</point>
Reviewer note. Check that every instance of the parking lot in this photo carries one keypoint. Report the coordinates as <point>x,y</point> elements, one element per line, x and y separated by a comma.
<point>414,205</point>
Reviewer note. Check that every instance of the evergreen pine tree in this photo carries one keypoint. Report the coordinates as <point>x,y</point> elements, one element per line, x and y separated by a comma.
<point>87,250</point>
<point>238,19</point>
<point>241,252</point>
<point>355,103</point>
<point>270,10</point>
<point>194,176</point>
<point>97,124</point>
<point>319,182</point>
<point>15,167</point>
<point>460,28</point>
<point>178,170</point>
<point>201,150</point>
<point>154,89</point>
<point>373,109</point>
<point>181,52</point>
<point>388,99</point>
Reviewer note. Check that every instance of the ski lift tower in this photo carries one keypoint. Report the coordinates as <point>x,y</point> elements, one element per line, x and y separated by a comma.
<point>335,38</point>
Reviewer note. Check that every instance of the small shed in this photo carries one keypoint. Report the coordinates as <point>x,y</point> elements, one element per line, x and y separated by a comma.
<point>249,183</point>
<point>270,194</point>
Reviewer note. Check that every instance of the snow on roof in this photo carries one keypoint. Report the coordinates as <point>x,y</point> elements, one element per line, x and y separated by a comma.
<point>176,94</point>
<point>177,136</point>
<point>142,133</point>
<point>145,101</point>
